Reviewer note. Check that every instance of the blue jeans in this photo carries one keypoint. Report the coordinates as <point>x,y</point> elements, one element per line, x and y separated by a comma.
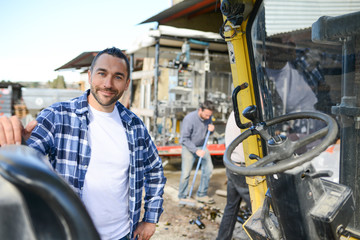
<point>187,163</point>
<point>237,189</point>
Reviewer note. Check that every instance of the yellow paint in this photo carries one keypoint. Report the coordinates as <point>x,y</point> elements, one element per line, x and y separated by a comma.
<point>177,140</point>
<point>241,73</point>
<point>347,238</point>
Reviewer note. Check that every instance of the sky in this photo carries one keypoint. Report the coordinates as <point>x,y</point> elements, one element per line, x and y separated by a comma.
<point>38,36</point>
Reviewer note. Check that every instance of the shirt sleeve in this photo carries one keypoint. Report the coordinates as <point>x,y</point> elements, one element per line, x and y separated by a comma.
<point>186,132</point>
<point>41,137</point>
<point>154,184</point>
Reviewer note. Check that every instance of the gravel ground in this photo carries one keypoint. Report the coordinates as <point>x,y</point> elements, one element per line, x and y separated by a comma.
<point>175,221</point>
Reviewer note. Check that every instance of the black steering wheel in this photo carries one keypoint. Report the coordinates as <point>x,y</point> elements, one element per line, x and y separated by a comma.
<point>281,155</point>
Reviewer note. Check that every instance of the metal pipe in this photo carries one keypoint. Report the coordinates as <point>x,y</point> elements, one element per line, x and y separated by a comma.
<point>348,65</point>
<point>156,79</point>
<point>130,77</point>
<point>350,140</point>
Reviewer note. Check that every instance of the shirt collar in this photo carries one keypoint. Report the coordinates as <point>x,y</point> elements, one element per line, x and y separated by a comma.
<point>82,105</point>
<point>126,115</point>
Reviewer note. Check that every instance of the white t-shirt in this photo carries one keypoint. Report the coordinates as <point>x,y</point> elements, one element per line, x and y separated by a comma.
<point>106,185</point>
<point>232,131</point>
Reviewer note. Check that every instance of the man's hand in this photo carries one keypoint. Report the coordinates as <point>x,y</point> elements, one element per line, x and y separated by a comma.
<point>200,153</point>
<point>211,127</point>
<point>144,231</point>
<point>12,130</point>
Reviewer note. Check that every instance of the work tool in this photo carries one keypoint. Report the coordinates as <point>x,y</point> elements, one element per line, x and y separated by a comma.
<point>189,201</point>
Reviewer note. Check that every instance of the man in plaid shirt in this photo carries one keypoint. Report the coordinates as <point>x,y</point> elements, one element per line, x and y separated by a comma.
<point>102,150</point>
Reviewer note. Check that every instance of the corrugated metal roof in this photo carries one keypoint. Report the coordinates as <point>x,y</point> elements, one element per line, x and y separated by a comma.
<point>83,60</point>
<point>288,15</point>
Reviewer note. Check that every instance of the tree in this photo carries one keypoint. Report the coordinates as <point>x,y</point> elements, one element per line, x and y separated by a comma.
<point>58,83</point>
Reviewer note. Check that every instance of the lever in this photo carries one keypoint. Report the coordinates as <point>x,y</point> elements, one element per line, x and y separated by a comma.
<point>253,156</point>
<point>251,113</point>
<point>324,173</point>
<point>236,108</point>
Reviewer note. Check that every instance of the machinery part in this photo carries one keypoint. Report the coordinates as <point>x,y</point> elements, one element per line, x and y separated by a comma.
<point>316,207</point>
<point>236,108</point>
<point>271,228</point>
<point>300,205</point>
<point>233,10</point>
<point>329,29</point>
<point>47,205</point>
<point>344,30</point>
<point>222,30</point>
<point>281,148</point>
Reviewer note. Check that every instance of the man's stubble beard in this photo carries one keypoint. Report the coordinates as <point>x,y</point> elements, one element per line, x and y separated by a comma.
<point>110,102</point>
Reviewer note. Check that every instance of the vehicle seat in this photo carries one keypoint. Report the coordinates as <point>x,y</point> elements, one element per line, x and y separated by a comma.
<point>35,202</point>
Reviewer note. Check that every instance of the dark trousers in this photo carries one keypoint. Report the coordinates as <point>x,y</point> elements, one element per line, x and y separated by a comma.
<point>237,189</point>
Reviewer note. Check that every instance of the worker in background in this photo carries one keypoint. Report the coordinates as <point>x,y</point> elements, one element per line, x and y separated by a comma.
<point>193,133</point>
<point>295,93</point>
<point>102,150</point>
<point>237,188</point>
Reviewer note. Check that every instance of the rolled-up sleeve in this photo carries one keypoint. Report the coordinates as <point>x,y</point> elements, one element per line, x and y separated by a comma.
<point>154,184</point>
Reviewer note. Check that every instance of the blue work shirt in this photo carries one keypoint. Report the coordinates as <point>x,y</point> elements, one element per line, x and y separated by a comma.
<point>193,131</point>
<point>62,134</point>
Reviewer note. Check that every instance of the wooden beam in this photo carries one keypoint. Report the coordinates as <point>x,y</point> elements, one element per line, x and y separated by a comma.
<point>142,74</point>
<point>143,112</point>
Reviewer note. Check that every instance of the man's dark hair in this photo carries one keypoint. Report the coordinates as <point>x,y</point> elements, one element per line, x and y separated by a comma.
<point>207,105</point>
<point>115,52</point>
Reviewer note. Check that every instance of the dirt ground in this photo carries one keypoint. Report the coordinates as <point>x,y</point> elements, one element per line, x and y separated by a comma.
<point>175,222</point>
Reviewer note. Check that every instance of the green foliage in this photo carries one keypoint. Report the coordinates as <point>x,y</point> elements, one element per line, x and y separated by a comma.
<point>58,83</point>
<point>35,84</point>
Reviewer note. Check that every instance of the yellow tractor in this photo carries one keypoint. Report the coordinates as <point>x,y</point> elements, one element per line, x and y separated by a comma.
<point>295,68</point>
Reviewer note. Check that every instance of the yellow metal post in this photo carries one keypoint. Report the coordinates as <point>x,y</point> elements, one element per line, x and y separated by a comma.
<point>241,73</point>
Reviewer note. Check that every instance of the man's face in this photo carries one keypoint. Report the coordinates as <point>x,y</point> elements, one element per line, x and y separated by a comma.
<point>205,114</point>
<point>108,80</point>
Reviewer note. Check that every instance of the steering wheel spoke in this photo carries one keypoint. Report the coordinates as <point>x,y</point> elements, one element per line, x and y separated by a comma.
<point>264,161</point>
<point>310,138</point>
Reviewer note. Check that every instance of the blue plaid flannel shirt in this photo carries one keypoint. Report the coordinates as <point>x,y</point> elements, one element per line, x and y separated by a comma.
<point>61,134</point>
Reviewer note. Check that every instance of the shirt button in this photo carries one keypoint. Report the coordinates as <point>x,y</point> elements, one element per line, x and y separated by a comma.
<point>85,166</point>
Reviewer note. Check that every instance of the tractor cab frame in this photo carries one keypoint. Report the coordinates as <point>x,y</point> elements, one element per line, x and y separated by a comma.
<point>295,72</point>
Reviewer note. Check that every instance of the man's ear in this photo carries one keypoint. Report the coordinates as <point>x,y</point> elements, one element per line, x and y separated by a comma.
<point>127,84</point>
